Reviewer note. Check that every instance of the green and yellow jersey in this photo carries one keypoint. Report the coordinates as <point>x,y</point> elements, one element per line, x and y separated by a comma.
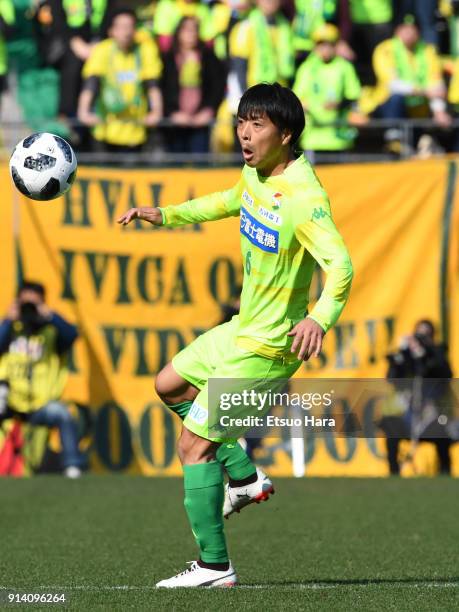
<point>392,61</point>
<point>35,371</point>
<point>286,226</point>
<point>122,103</point>
<point>267,47</point>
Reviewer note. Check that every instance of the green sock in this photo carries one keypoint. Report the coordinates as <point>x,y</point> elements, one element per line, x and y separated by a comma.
<point>203,504</point>
<point>235,461</point>
<point>231,455</point>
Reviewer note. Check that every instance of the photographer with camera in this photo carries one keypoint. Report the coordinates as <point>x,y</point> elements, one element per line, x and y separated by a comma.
<point>33,363</point>
<point>420,373</point>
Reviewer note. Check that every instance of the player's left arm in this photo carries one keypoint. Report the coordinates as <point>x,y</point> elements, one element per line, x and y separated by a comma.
<point>317,232</point>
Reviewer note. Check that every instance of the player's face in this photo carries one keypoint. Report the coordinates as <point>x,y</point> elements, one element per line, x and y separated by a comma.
<point>262,142</point>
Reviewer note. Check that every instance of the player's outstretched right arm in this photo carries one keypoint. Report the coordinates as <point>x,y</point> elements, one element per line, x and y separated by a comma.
<point>146,213</point>
<point>211,207</point>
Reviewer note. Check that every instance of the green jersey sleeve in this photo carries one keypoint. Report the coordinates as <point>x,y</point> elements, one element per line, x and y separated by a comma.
<point>208,208</point>
<point>315,230</point>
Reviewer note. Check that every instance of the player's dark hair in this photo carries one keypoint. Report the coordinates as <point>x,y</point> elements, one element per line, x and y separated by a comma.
<point>280,104</point>
<point>27,285</point>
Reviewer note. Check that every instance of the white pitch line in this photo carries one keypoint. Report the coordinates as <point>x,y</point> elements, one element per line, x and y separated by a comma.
<point>296,585</point>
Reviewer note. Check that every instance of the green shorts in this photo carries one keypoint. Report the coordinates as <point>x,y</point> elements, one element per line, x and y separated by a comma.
<point>216,355</point>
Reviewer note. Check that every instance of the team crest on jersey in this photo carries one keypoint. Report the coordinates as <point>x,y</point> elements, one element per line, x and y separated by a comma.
<point>276,201</point>
<point>247,198</point>
<point>260,235</point>
<point>270,216</point>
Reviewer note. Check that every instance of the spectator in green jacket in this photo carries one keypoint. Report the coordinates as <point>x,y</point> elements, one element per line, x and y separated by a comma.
<point>311,14</point>
<point>328,87</point>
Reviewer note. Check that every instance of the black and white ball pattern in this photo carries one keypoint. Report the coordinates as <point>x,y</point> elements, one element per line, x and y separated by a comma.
<point>43,166</point>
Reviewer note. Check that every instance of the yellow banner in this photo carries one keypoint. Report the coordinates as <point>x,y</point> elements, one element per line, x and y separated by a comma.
<point>139,294</point>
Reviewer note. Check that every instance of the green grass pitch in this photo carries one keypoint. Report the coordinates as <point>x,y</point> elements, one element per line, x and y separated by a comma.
<point>318,544</point>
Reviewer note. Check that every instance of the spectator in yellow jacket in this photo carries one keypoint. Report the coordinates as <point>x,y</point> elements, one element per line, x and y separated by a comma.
<point>409,78</point>
<point>261,50</point>
<point>121,80</point>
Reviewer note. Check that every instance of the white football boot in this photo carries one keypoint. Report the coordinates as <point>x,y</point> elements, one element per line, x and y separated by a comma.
<point>197,576</point>
<point>237,498</point>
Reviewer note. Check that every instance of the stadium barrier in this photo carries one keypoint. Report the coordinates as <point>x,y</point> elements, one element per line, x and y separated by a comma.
<point>140,293</point>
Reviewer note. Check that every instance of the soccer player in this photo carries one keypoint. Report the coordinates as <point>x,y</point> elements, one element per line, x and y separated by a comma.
<point>286,226</point>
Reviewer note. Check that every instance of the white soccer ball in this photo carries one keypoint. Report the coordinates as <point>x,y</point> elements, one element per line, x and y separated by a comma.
<point>43,166</point>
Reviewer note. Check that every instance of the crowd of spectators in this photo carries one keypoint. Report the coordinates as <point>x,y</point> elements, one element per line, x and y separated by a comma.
<point>114,76</point>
